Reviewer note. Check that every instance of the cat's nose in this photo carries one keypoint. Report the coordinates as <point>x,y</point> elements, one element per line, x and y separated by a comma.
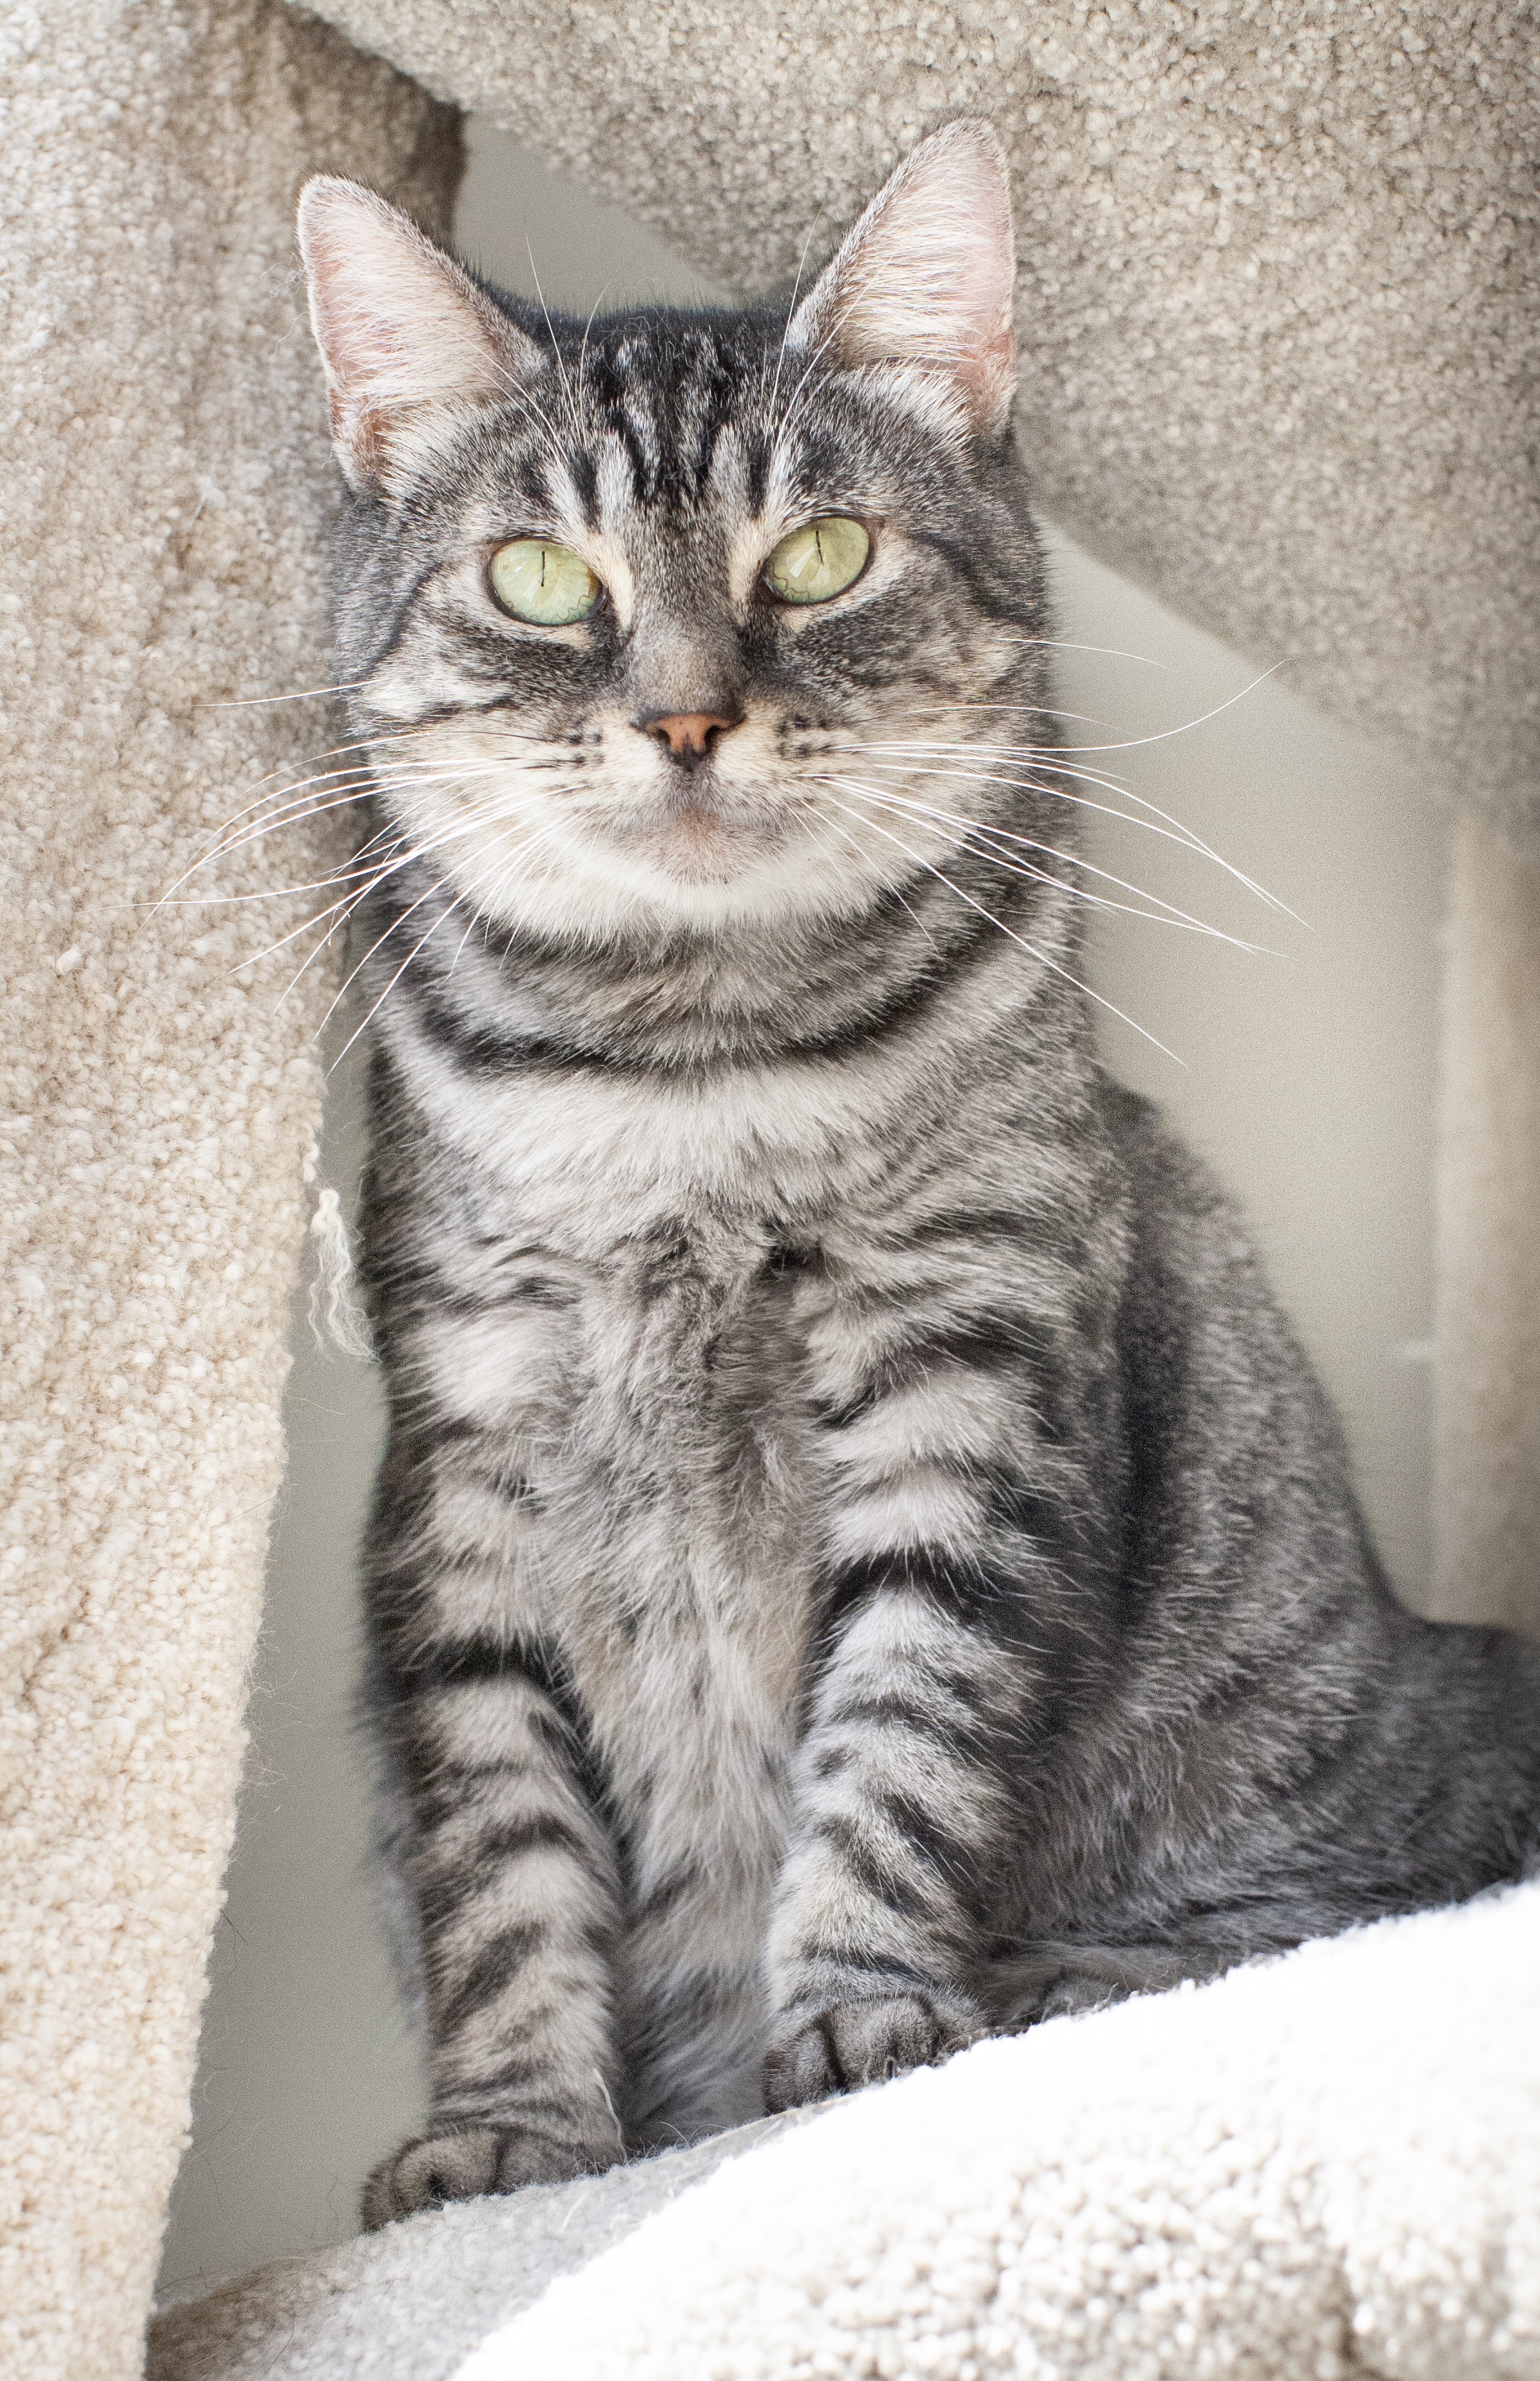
<point>689,736</point>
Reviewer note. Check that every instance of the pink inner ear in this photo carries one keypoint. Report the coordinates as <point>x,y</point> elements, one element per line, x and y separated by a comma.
<point>990,375</point>
<point>925,277</point>
<point>399,326</point>
<point>986,362</point>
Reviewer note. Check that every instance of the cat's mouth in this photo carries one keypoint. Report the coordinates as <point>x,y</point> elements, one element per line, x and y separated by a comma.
<point>696,828</point>
<point>695,841</point>
<point>696,797</point>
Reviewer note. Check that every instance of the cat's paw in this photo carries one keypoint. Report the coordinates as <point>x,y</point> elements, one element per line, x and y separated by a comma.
<point>468,2164</point>
<point>861,2041</point>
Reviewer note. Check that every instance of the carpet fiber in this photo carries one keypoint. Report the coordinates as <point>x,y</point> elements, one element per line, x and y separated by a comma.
<point>1326,2166</point>
<point>166,488</point>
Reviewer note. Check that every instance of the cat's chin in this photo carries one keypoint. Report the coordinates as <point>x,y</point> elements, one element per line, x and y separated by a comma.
<point>698,847</point>
<point>683,878</point>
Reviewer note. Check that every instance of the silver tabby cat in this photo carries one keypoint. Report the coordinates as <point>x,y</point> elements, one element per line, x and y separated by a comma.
<point>860,1559</point>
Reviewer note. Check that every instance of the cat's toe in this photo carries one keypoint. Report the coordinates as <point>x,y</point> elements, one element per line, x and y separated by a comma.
<point>861,2041</point>
<point>469,2164</point>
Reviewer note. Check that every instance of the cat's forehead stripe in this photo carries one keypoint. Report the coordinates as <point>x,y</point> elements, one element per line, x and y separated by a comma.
<point>679,424</point>
<point>668,403</point>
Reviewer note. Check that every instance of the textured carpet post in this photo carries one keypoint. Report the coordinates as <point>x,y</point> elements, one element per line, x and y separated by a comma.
<point>166,476</point>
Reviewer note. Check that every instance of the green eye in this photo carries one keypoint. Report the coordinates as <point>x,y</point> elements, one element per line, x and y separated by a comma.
<point>548,584</point>
<point>819,561</point>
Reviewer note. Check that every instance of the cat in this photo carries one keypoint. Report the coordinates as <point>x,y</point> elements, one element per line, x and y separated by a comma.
<point>860,1561</point>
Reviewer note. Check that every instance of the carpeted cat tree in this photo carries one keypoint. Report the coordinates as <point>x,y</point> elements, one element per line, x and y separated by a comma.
<point>1280,325</point>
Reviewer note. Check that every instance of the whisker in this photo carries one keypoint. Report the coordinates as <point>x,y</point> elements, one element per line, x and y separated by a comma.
<point>1032,950</point>
<point>318,804</point>
<point>417,948</point>
<point>294,815</point>
<point>495,813</point>
<point>810,802</point>
<point>216,848</point>
<point>1131,743</point>
<point>574,417</point>
<point>1174,915</point>
<point>1164,914</point>
<point>1108,653</point>
<point>304,694</point>
<point>361,780</point>
<point>791,311</point>
<point>404,853</point>
<point>360,773</point>
<point>1171,829</point>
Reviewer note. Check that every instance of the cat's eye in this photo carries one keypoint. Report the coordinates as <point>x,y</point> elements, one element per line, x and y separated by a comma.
<point>548,584</point>
<point>818,561</point>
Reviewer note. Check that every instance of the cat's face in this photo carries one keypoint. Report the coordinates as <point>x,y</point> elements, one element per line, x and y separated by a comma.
<point>678,620</point>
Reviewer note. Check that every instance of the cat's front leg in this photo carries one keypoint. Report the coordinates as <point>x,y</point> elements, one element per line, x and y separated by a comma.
<point>900,1813</point>
<point>516,1888</point>
<point>958,1405</point>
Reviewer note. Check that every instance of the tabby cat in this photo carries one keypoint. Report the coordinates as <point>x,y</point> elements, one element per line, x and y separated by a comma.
<point>860,1559</point>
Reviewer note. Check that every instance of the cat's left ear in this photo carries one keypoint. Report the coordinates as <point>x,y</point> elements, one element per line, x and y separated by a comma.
<point>408,340</point>
<point>923,281</point>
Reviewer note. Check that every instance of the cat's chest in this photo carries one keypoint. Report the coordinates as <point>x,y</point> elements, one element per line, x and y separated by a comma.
<point>595,1157</point>
<point>650,1399</point>
<point>668,1344</point>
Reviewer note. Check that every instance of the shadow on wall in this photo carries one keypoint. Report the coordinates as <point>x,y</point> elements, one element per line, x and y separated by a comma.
<point>1306,1077</point>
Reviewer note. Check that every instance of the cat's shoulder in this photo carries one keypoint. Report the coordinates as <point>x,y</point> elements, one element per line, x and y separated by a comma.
<point>1162,1169</point>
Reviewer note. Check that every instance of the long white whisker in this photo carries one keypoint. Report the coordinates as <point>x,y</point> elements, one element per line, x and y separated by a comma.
<point>417,948</point>
<point>1064,645</point>
<point>1132,743</point>
<point>976,829</point>
<point>973,838</point>
<point>810,802</point>
<point>303,695</point>
<point>583,350</point>
<point>361,773</point>
<point>1171,829</point>
<point>791,311</point>
<point>394,859</point>
<point>296,813</point>
<point>574,417</point>
<point>216,848</point>
<point>458,830</point>
<point>1032,952</point>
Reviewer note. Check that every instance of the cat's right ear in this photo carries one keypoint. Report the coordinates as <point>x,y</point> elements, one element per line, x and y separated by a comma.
<point>408,341</point>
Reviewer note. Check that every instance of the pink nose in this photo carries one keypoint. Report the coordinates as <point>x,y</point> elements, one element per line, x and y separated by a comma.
<point>688,734</point>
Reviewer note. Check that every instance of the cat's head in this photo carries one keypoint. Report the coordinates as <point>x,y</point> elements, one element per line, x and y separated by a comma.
<point>677,620</point>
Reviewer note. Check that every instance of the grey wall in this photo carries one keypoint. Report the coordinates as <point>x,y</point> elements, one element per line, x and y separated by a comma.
<point>1305,1074</point>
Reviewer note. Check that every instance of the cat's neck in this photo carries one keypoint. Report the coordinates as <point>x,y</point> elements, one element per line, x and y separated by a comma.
<point>748,995</point>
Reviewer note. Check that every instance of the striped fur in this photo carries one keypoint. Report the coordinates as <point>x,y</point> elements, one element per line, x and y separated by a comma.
<point>860,1558</point>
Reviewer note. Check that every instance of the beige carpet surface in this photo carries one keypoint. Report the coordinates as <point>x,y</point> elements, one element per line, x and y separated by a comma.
<point>1324,2167</point>
<point>167,474</point>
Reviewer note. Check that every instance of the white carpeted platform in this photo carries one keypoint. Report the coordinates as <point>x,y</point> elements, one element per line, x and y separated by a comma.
<point>1325,2165</point>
